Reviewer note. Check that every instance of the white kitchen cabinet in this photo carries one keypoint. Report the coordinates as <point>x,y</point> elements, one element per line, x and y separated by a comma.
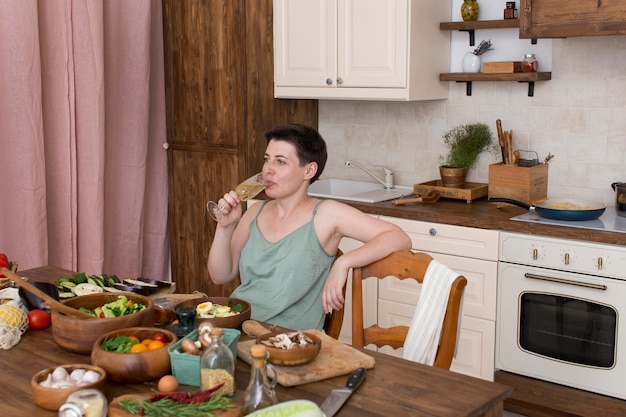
<point>360,49</point>
<point>472,253</point>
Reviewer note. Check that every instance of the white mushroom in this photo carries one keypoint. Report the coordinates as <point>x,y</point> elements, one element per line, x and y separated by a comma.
<point>303,339</point>
<point>282,341</point>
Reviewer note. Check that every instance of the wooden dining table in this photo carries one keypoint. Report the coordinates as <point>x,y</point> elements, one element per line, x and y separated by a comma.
<point>393,387</point>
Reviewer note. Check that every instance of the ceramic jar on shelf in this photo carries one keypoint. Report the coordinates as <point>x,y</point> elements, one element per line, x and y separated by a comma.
<point>469,10</point>
<point>471,62</point>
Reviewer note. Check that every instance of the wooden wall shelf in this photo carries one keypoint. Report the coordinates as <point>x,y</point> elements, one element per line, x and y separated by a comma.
<point>471,26</point>
<point>522,77</point>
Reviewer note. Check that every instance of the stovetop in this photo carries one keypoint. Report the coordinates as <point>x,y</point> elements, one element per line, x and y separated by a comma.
<point>609,221</point>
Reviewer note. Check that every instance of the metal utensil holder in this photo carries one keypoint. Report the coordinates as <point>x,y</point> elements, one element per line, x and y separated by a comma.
<point>528,159</point>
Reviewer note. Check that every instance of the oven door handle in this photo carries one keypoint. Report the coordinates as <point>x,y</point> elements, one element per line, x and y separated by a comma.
<point>566,281</point>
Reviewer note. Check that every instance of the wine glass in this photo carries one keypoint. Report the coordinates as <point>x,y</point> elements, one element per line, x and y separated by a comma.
<point>248,189</point>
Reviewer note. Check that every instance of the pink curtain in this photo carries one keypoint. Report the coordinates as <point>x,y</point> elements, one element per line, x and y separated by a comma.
<point>83,174</point>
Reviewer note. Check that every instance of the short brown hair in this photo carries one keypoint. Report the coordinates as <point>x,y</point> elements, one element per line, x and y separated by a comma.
<point>309,144</point>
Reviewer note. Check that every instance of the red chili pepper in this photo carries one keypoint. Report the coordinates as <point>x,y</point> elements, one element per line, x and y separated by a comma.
<point>204,396</point>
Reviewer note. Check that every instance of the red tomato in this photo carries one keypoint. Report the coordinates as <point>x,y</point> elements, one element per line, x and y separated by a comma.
<point>38,319</point>
<point>4,263</point>
<point>160,337</point>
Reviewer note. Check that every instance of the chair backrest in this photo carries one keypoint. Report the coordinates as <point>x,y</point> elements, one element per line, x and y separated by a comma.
<point>334,319</point>
<point>404,264</point>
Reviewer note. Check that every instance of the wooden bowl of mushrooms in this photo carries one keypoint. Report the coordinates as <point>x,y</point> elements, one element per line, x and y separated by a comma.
<point>291,348</point>
<point>52,386</point>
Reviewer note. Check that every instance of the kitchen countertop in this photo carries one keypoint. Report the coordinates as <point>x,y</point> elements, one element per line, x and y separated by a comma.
<point>394,386</point>
<point>484,215</point>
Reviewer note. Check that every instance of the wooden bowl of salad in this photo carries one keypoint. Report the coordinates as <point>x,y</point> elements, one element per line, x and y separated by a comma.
<point>117,353</point>
<point>112,311</point>
<point>224,312</point>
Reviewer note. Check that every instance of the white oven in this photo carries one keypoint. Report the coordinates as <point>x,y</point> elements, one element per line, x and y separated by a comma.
<point>559,312</point>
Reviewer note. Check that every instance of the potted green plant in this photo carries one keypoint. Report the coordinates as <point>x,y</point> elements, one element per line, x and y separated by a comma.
<point>464,143</point>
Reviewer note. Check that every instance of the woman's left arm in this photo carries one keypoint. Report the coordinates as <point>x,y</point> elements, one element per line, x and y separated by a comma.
<point>380,238</point>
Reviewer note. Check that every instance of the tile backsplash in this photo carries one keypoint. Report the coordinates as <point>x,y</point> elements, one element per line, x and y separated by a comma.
<point>579,116</point>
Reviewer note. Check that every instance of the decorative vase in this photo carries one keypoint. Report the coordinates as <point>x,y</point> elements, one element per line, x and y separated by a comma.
<point>469,10</point>
<point>452,177</point>
<point>471,62</point>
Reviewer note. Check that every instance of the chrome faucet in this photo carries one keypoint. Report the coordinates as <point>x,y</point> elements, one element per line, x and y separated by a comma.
<point>387,183</point>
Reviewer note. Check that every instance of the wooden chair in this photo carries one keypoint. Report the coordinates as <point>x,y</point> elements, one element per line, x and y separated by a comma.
<point>404,264</point>
<point>334,319</point>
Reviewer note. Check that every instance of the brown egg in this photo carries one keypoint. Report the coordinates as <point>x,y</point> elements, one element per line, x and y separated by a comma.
<point>167,383</point>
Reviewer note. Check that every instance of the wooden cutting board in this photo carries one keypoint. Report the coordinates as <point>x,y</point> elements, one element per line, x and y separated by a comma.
<point>335,359</point>
<point>116,411</point>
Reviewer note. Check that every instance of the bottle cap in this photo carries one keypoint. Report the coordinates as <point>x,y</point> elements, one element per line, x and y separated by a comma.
<point>258,351</point>
<point>71,410</point>
<point>217,331</point>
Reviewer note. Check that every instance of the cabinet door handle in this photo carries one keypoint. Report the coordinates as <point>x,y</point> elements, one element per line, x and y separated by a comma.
<point>339,80</point>
<point>329,81</point>
<point>432,231</point>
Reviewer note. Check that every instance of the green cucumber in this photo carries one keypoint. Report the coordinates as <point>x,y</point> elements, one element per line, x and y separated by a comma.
<point>66,294</point>
<point>67,285</point>
<point>92,281</point>
<point>293,408</point>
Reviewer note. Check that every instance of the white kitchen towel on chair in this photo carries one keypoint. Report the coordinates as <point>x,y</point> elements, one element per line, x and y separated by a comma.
<point>422,339</point>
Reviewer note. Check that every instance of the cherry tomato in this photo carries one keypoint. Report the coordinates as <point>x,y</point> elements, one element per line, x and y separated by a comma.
<point>138,348</point>
<point>4,263</point>
<point>38,319</point>
<point>160,337</point>
<point>155,344</point>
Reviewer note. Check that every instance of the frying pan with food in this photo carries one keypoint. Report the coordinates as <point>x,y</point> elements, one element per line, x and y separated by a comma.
<point>563,209</point>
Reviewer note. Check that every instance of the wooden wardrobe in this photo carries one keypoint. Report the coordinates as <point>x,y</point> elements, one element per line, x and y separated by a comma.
<point>219,98</point>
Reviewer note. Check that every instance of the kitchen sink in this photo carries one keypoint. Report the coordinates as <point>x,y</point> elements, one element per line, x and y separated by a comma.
<point>360,191</point>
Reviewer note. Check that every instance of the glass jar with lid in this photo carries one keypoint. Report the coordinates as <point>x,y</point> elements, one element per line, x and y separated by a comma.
<point>85,403</point>
<point>217,365</point>
<point>530,63</point>
<point>510,12</point>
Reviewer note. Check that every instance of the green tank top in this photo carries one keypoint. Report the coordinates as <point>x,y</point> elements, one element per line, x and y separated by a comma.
<point>283,281</point>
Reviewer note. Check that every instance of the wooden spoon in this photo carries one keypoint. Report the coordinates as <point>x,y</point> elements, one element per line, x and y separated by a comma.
<point>54,304</point>
<point>429,197</point>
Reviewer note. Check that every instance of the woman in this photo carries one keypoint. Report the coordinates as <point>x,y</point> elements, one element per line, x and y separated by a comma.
<point>284,249</point>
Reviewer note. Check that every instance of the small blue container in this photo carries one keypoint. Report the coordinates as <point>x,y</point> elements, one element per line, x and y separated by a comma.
<point>186,367</point>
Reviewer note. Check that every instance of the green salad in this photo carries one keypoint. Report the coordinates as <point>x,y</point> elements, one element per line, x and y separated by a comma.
<point>120,307</point>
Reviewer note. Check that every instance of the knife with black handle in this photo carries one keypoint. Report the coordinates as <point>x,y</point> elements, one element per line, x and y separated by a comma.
<point>338,397</point>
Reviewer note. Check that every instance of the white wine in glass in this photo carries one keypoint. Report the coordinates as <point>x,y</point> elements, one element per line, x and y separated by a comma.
<point>248,189</point>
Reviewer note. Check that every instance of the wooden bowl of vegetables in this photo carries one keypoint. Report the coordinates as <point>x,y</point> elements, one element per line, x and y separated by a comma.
<point>52,386</point>
<point>224,312</point>
<point>123,310</point>
<point>134,355</point>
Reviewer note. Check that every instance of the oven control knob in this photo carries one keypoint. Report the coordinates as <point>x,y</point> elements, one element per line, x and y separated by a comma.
<point>568,257</point>
<point>537,252</point>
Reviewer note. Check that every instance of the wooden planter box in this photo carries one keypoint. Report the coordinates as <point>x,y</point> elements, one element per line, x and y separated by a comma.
<point>528,184</point>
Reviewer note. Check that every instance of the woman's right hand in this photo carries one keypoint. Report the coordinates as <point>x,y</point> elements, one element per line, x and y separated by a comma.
<point>231,208</point>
